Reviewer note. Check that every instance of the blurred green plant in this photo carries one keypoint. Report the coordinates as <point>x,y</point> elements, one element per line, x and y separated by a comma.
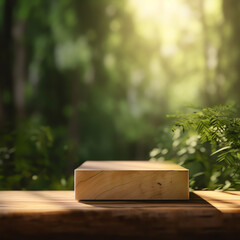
<point>25,159</point>
<point>207,141</point>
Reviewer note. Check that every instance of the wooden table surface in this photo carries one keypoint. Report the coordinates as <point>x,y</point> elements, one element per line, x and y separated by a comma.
<point>56,215</point>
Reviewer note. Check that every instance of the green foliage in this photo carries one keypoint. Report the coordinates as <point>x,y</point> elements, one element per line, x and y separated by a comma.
<point>220,126</point>
<point>94,73</point>
<point>25,155</point>
<point>80,58</point>
<point>207,142</point>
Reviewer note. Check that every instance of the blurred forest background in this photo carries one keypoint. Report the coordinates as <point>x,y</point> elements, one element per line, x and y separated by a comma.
<point>94,80</point>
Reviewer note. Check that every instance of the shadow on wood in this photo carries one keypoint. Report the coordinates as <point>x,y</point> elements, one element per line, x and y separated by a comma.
<point>56,215</point>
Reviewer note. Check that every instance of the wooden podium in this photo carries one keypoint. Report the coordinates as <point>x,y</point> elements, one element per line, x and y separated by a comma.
<point>131,180</point>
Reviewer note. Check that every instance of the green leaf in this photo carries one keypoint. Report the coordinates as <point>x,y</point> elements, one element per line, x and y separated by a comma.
<point>220,150</point>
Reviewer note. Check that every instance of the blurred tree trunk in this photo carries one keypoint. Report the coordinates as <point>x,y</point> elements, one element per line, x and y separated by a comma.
<point>74,126</point>
<point>170,78</point>
<point>231,10</point>
<point>6,82</point>
<point>19,67</point>
<point>219,73</point>
<point>205,47</point>
<point>2,114</point>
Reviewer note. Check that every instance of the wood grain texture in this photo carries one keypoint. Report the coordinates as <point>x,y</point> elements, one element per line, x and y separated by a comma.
<point>56,215</point>
<point>131,180</point>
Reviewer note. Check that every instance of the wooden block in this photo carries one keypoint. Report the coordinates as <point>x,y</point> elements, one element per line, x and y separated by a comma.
<point>131,180</point>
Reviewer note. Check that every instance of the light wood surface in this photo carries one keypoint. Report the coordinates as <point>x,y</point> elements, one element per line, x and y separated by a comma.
<point>56,215</point>
<point>130,165</point>
<point>131,180</point>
